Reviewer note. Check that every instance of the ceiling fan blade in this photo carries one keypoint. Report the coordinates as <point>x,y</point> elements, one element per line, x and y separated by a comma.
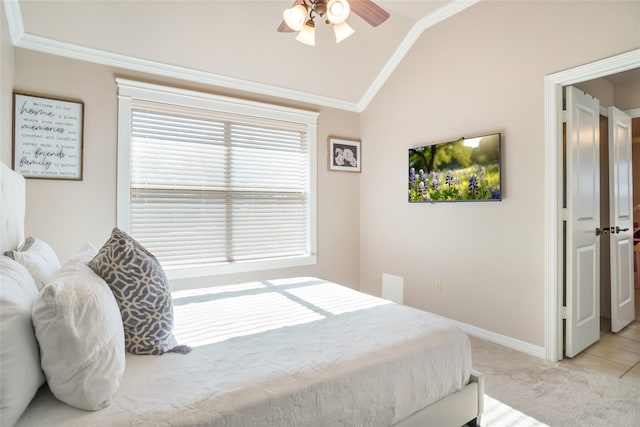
<point>369,11</point>
<point>284,28</point>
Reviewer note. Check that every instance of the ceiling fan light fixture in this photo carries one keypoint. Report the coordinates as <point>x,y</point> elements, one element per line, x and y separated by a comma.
<point>342,31</point>
<point>295,17</point>
<point>338,11</point>
<point>300,17</point>
<point>307,34</point>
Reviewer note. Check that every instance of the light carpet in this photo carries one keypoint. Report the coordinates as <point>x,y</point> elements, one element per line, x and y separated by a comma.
<point>523,390</point>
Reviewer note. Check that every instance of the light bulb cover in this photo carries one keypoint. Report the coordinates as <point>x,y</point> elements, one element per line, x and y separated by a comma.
<point>338,11</point>
<point>308,34</point>
<point>342,31</point>
<point>295,17</point>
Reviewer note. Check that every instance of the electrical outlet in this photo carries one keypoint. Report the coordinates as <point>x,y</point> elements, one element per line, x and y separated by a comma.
<point>438,286</point>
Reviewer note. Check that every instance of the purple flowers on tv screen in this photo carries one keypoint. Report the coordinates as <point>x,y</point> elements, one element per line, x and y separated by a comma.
<point>467,169</point>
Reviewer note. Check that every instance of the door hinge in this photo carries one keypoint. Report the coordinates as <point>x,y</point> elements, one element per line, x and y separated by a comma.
<point>564,115</point>
<point>564,312</point>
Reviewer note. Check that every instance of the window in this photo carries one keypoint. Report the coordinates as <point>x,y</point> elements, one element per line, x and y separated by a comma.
<point>215,185</point>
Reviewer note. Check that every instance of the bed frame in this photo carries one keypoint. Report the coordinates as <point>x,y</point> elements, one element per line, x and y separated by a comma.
<point>463,407</point>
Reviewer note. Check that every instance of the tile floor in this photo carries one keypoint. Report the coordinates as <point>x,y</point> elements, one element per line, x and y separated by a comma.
<point>615,354</point>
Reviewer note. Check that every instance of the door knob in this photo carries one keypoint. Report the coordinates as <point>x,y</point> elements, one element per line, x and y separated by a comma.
<point>618,229</point>
<point>600,231</point>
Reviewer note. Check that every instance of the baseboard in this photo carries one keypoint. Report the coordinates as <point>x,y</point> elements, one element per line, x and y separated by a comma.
<point>503,340</point>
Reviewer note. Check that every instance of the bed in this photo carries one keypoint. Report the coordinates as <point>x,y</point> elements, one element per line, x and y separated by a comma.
<point>288,352</point>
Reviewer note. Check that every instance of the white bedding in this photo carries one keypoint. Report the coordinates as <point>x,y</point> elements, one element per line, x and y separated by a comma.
<point>294,352</point>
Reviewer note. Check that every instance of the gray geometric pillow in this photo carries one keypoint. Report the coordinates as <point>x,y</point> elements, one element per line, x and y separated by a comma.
<point>140,286</point>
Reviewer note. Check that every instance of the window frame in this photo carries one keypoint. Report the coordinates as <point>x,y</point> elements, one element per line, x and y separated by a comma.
<point>128,90</point>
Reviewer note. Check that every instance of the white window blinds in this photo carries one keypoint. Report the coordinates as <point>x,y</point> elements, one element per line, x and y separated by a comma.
<point>210,187</point>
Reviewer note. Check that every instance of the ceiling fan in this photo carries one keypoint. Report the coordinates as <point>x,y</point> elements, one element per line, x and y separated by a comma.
<point>300,17</point>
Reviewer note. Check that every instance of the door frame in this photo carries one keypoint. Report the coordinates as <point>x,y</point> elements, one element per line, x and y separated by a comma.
<point>553,118</point>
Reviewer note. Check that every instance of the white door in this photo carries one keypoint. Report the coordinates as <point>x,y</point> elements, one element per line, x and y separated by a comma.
<point>621,214</point>
<point>583,221</point>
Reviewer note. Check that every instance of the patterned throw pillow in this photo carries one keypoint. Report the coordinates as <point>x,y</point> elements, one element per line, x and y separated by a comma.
<point>142,291</point>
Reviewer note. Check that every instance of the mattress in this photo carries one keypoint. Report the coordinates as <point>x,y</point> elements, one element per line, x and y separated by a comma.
<point>292,352</point>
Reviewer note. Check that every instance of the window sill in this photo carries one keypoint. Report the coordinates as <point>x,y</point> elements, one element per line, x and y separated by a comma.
<point>237,267</point>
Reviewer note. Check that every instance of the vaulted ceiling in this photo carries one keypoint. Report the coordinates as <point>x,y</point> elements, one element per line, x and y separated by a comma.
<point>232,44</point>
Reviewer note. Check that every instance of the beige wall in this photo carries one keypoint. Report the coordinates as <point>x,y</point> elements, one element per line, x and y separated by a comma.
<point>481,70</point>
<point>623,95</point>
<point>68,213</point>
<point>601,88</point>
<point>627,95</point>
<point>6,88</point>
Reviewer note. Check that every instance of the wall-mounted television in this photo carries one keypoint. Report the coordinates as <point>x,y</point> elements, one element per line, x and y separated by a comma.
<point>467,169</point>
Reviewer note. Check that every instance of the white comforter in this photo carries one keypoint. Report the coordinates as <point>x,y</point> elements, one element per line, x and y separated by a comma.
<point>295,352</point>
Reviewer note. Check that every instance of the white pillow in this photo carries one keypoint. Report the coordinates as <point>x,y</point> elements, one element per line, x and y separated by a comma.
<point>86,253</point>
<point>20,373</point>
<point>41,261</point>
<point>79,329</point>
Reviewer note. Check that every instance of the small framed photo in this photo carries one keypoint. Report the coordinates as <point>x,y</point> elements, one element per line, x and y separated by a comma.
<point>47,137</point>
<point>344,154</point>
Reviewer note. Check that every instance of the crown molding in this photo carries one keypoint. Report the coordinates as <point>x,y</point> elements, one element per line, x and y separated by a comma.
<point>634,113</point>
<point>25,40</point>
<point>42,44</point>
<point>14,20</point>
<point>415,32</point>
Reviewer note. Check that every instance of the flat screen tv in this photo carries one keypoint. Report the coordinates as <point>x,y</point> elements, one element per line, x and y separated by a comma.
<point>467,169</point>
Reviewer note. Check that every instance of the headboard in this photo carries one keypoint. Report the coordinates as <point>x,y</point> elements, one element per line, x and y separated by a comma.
<point>12,208</point>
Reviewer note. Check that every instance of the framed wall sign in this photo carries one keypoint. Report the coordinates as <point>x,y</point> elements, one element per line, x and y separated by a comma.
<point>344,154</point>
<point>47,137</point>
